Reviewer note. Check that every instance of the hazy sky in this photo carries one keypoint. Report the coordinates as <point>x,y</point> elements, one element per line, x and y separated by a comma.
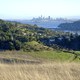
<point>24,9</point>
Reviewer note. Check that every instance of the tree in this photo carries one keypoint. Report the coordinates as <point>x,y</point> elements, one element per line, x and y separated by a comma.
<point>17,45</point>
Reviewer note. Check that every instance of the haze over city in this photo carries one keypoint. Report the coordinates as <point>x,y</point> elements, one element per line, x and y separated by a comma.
<point>27,9</point>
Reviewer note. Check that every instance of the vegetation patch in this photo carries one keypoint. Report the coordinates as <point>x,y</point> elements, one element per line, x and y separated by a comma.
<point>35,46</point>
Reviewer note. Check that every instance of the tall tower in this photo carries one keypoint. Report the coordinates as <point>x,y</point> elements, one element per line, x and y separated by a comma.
<point>49,17</point>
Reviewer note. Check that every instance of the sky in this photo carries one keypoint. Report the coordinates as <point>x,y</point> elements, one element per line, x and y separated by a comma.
<point>27,9</point>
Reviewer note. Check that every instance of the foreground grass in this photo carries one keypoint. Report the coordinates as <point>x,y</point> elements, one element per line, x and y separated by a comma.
<point>42,65</point>
<point>45,71</point>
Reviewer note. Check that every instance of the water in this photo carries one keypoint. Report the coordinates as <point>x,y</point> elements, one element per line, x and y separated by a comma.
<point>44,24</point>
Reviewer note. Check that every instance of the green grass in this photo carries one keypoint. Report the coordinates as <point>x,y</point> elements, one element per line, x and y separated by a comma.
<point>52,55</point>
<point>58,56</point>
<point>35,46</point>
<point>33,43</point>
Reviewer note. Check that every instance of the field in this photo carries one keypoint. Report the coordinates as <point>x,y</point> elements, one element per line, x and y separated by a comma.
<point>46,65</point>
<point>46,71</point>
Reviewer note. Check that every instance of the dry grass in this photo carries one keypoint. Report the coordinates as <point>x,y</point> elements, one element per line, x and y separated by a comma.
<point>44,71</point>
<point>48,69</point>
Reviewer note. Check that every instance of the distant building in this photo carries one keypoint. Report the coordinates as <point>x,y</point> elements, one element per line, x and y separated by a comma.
<point>41,18</point>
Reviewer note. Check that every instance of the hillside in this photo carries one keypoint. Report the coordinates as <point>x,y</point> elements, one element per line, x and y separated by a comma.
<point>14,35</point>
<point>75,26</point>
<point>32,53</point>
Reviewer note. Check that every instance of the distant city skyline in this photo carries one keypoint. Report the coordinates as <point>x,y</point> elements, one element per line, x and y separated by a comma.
<point>27,9</point>
<point>50,17</point>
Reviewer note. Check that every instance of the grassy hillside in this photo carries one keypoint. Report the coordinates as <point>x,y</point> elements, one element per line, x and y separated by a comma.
<point>38,56</point>
<point>55,65</point>
<point>35,46</point>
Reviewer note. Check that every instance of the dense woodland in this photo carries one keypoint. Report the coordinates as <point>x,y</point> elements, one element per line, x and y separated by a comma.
<point>17,36</point>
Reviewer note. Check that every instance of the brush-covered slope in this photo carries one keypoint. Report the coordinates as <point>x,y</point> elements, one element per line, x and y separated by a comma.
<point>14,35</point>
